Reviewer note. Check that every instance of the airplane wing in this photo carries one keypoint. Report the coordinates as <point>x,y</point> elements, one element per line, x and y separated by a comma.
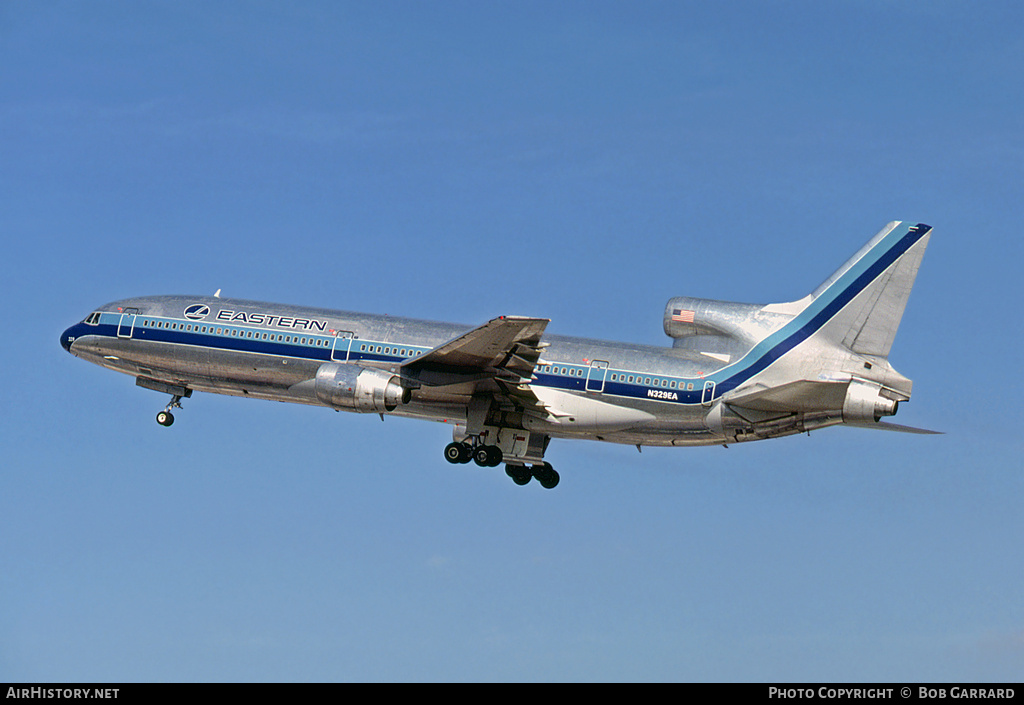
<point>504,349</point>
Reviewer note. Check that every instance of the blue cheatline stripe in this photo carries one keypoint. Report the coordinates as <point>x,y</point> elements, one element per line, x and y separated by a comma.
<point>108,327</point>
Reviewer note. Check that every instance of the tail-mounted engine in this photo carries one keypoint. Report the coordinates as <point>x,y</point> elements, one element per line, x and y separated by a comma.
<point>865,403</point>
<point>356,388</point>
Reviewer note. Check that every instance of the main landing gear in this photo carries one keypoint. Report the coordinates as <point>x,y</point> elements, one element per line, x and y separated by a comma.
<point>491,456</point>
<point>483,455</point>
<point>165,417</point>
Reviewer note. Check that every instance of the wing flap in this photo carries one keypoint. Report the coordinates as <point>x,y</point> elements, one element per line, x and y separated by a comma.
<point>505,348</point>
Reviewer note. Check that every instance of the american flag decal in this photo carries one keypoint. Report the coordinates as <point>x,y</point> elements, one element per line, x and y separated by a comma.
<point>682,315</point>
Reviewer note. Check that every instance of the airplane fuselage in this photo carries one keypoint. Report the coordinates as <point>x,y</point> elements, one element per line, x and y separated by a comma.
<point>268,351</point>
<point>735,372</point>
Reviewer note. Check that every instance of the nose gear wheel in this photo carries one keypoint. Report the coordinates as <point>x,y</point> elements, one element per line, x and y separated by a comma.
<point>165,417</point>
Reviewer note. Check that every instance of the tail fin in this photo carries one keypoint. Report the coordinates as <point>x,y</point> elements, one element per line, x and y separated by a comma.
<point>868,294</point>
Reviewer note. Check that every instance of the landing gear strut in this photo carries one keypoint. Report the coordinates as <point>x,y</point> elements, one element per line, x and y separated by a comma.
<point>165,417</point>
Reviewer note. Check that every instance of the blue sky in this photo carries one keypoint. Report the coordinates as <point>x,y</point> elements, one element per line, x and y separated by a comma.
<point>456,161</point>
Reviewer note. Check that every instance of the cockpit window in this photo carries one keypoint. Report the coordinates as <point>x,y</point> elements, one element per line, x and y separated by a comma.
<point>93,318</point>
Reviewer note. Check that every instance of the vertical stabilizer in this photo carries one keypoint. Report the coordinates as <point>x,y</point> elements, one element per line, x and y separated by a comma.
<point>868,294</point>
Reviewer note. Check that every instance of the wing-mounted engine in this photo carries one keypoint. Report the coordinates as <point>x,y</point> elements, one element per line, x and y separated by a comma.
<point>355,388</point>
<point>723,330</point>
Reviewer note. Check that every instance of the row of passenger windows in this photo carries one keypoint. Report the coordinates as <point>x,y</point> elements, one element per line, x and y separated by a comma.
<point>387,350</point>
<point>237,333</point>
<point>652,381</point>
<point>277,337</point>
<point>565,371</point>
<point>617,377</point>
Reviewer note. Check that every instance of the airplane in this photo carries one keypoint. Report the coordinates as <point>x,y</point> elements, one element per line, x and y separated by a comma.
<point>735,372</point>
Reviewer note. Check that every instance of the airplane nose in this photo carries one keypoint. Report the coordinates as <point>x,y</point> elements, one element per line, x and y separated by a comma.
<point>66,338</point>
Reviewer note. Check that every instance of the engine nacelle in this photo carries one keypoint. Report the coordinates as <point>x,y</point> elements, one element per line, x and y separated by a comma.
<point>356,388</point>
<point>864,403</point>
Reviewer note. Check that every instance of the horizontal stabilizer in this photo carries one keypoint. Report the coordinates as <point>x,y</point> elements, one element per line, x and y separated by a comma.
<point>882,426</point>
<point>803,395</point>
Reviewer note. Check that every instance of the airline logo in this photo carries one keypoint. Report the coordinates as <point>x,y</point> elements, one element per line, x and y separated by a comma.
<point>197,312</point>
<point>266,319</point>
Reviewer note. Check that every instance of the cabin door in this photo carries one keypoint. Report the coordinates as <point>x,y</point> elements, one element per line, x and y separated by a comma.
<point>708,395</point>
<point>596,375</point>
<point>126,326</point>
<point>342,345</point>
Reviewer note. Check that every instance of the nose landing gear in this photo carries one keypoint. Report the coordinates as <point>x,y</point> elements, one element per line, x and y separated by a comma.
<point>177,392</point>
<point>165,417</point>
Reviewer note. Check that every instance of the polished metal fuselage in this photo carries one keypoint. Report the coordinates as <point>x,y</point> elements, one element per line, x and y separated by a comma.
<point>735,372</point>
<point>127,340</point>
